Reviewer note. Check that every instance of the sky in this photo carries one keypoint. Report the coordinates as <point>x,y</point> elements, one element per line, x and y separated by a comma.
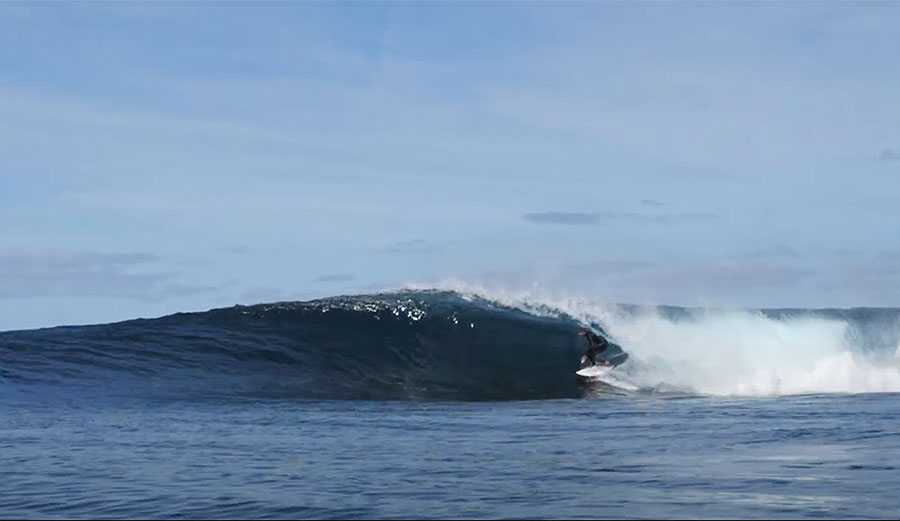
<point>162,157</point>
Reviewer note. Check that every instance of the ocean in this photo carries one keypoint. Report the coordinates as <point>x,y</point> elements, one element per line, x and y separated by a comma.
<point>445,404</point>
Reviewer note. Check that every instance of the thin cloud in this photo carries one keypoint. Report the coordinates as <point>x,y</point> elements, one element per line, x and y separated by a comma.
<point>178,290</point>
<point>595,219</point>
<point>670,218</point>
<point>37,260</point>
<point>876,280</point>
<point>717,282</point>
<point>384,287</point>
<point>606,267</point>
<point>889,154</point>
<point>698,216</point>
<point>263,294</point>
<point>872,280</point>
<point>779,250</point>
<point>236,250</point>
<point>336,277</point>
<point>652,202</point>
<point>57,273</point>
<point>411,246</point>
<point>566,218</point>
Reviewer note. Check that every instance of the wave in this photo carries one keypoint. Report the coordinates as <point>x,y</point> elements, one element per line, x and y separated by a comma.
<point>458,344</point>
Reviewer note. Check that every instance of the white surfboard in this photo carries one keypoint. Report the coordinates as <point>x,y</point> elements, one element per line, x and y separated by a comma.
<point>603,373</point>
<point>594,371</point>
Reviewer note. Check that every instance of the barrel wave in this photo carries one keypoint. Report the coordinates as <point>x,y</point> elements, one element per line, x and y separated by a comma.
<point>405,345</point>
<point>453,345</point>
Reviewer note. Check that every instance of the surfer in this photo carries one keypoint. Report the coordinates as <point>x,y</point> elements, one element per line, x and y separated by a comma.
<point>598,344</point>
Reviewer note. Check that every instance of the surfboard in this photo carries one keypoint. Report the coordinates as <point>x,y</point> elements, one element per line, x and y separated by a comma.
<point>604,374</point>
<point>593,371</point>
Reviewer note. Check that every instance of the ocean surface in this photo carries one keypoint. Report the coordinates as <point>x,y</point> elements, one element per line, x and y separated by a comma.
<point>443,404</point>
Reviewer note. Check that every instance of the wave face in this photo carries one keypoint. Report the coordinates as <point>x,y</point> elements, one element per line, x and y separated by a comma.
<point>453,345</point>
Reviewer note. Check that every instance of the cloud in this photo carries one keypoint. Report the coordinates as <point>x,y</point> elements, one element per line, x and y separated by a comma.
<point>411,246</point>
<point>727,276</point>
<point>778,251</point>
<point>715,283</point>
<point>293,120</point>
<point>57,273</point>
<point>858,281</point>
<point>876,279</point>
<point>697,216</point>
<point>70,260</point>
<point>596,218</point>
<point>668,217</point>
<point>652,202</point>
<point>236,250</point>
<point>335,277</point>
<point>566,218</point>
<point>889,154</point>
<point>384,287</point>
<point>177,290</point>
<point>263,294</point>
<point>606,267</point>
<point>195,262</point>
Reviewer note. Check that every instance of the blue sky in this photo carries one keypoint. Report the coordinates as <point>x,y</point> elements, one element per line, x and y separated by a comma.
<point>164,157</point>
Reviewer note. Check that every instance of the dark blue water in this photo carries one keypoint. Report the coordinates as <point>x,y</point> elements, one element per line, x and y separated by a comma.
<point>622,457</point>
<point>436,405</point>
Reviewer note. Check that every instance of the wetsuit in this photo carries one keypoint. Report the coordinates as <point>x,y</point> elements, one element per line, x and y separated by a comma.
<point>598,345</point>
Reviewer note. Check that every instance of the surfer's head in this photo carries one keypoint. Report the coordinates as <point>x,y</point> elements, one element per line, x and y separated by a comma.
<point>582,331</point>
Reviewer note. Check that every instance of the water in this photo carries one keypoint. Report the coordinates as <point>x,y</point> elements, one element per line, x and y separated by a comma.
<point>444,405</point>
<point>613,457</point>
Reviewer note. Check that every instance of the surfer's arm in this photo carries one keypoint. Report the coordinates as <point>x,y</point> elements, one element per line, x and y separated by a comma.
<point>599,342</point>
